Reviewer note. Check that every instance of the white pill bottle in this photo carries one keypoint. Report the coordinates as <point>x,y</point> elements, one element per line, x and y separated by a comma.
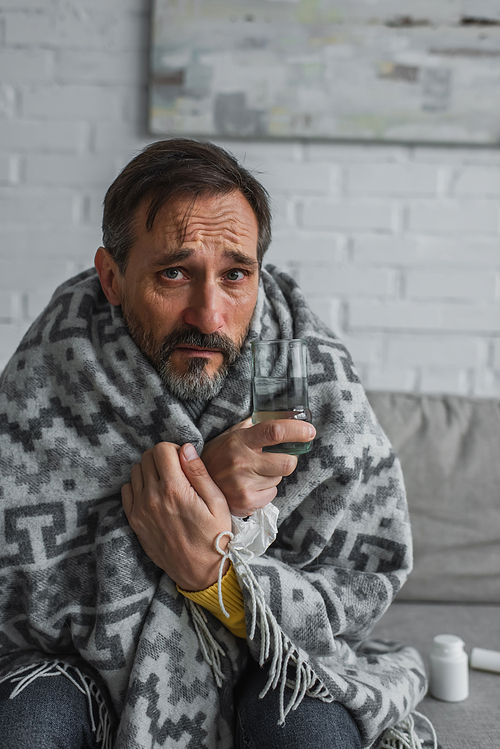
<point>449,677</point>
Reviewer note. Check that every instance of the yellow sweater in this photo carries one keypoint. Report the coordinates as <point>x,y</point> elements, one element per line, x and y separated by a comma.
<point>233,601</point>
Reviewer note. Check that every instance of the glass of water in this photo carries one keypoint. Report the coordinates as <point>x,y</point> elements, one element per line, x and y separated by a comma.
<point>279,387</point>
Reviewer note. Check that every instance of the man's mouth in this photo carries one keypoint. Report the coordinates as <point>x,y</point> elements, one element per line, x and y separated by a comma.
<point>192,350</point>
<point>189,345</point>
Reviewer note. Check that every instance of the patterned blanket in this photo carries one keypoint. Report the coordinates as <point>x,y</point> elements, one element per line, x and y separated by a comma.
<point>79,404</point>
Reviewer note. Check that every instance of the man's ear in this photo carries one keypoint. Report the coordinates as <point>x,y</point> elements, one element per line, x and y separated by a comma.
<point>109,275</point>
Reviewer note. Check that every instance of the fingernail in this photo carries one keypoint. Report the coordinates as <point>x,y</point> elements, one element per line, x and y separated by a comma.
<point>312,431</point>
<point>189,452</point>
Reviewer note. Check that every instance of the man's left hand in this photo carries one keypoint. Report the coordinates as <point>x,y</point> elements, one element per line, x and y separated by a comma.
<point>177,511</point>
<point>246,475</point>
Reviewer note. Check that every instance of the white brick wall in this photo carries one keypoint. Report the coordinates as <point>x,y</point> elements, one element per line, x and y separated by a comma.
<point>397,247</point>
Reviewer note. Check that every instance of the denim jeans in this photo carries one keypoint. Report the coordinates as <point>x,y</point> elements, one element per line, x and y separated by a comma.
<point>313,725</point>
<point>49,713</point>
<point>52,713</point>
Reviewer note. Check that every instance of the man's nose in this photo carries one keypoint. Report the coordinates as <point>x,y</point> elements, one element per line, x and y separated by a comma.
<point>205,308</point>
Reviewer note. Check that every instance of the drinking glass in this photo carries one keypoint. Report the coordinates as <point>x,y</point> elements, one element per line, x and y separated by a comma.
<point>279,387</point>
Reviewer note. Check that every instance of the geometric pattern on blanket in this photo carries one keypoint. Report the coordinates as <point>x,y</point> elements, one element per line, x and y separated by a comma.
<point>79,404</point>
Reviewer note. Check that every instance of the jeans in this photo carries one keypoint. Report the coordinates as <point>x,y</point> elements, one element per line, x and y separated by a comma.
<point>52,713</point>
<point>313,725</point>
<point>49,713</point>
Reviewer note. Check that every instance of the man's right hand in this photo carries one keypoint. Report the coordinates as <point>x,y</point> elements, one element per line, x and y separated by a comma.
<point>247,476</point>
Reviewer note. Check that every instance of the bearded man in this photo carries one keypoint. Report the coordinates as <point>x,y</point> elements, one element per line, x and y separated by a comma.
<point>129,616</point>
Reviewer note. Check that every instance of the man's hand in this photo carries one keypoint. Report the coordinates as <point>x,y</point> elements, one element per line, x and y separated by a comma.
<point>247,476</point>
<point>177,512</point>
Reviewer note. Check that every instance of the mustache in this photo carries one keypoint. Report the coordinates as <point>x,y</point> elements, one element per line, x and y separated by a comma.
<point>193,337</point>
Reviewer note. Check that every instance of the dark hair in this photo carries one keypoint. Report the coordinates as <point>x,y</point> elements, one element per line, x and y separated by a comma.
<point>169,170</point>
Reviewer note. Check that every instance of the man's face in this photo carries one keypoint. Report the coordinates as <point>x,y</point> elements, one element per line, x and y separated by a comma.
<point>188,298</point>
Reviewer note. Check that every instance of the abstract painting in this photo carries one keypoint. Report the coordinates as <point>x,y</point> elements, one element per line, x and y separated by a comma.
<point>390,70</point>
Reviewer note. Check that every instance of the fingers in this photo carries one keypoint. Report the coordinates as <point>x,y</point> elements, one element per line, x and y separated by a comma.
<point>242,507</point>
<point>199,478</point>
<point>133,489</point>
<point>146,474</point>
<point>136,479</point>
<point>275,432</point>
<point>276,464</point>
<point>154,461</point>
<point>127,500</point>
<point>176,512</point>
<point>161,465</point>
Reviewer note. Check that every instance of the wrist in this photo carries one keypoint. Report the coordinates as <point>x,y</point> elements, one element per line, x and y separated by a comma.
<point>195,584</point>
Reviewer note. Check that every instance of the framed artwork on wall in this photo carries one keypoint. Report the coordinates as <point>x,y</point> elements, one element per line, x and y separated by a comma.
<point>388,70</point>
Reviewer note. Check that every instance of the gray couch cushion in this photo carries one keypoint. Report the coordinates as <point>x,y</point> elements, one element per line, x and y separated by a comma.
<point>474,723</point>
<point>449,448</point>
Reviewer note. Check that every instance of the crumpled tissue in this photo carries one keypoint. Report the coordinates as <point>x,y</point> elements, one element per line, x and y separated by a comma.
<point>254,534</point>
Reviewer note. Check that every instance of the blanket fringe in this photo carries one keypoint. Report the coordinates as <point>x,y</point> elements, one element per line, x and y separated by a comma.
<point>284,652</point>
<point>26,675</point>
<point>404,735</point>
<point>210,648</point>
<point>272,638</point>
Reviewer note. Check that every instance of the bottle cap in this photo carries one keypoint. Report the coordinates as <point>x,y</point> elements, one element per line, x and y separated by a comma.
<point>487,660</point>
<point>448,644</point>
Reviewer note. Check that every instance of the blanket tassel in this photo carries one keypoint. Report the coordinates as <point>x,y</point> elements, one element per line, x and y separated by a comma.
<point>26,675</point>
<point>210,648</point>
<point>272,638</point>
<point>404,735</point>
<point>284,653</point>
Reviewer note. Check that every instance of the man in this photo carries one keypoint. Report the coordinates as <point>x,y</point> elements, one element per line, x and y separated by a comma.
<point>137,379</point>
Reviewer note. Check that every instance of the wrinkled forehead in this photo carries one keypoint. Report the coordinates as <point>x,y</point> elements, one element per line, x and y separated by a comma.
<point>229,218</point>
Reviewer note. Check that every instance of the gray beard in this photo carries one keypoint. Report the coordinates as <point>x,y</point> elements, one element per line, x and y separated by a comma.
<point>195,384</point>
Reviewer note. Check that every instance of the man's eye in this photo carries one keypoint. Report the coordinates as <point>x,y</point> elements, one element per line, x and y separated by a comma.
<point>172,273</point>
<point>235,275</point>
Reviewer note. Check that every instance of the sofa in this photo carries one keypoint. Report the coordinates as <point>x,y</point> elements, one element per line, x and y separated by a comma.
<point>449,447</point>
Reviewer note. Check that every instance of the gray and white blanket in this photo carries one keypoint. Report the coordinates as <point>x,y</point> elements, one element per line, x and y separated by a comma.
<point>79,404</point>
